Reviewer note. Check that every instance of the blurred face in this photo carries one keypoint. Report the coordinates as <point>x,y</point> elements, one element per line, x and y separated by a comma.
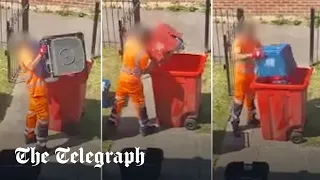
<point>249,31</point>
<point>24,46</point>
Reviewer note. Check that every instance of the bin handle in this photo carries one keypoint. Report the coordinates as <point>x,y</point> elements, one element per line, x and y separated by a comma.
<point>72,59</point>
<point>181,81</point>
<point>287,110</point>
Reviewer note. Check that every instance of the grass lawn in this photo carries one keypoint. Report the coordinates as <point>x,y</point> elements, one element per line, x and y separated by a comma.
<point>221,103</point>
<point>312,127</point>
<point>111,65</point>
<point>6,87</point>
<point>205,111</point>
<point>91,121</point>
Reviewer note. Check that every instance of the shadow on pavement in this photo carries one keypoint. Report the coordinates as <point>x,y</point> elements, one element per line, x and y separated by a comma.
<point>205,109</point>
<point>312,126</point>
<point>5,101</point>
<point>225,142</point>
<point>78,171</point>
<point>165,168</point>
<point>218,174</point>
<point>129,126</point>
<point>90,126</point>
<point>217,138</point>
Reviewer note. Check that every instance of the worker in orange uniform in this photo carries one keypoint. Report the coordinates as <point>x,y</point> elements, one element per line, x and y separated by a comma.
<point>136,62</point>
<point>30,57</point>
<point>246,50</point>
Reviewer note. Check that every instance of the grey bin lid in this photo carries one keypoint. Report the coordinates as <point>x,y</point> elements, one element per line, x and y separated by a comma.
<point>67,55</point>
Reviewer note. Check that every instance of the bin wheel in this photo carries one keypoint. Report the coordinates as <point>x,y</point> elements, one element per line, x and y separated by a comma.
<point>191,124</point>
<point>296,137</point>
<point>51,79</point>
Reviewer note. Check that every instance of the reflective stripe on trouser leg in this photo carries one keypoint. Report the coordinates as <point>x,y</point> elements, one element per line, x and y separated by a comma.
<point>42,132</point>
<point>31,120</point>
<point>143,116</point>
<point>113,116</point>
<point>43,120</point>
<point>236,110</point>
<point>251,107</point>
<point>116,109</point>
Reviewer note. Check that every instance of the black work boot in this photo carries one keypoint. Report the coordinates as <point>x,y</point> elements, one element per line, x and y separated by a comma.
<point>42,136</point>
<point>144,130</point>
<point>147,126</point>
<point>148,130</point>
<point>236,128</point>
<point>234,118</point>
<point>42,149</point>
<point>252,120</point>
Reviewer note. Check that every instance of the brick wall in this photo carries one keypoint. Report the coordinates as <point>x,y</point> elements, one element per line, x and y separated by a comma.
<point>270,7</point>
<point>191,1</point>
<point>86,3</point>
<point>71,3</point>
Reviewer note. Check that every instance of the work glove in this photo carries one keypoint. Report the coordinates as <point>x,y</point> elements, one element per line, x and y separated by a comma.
<point>43,50</point>
<point>257,54</point>
<point>90,63</point>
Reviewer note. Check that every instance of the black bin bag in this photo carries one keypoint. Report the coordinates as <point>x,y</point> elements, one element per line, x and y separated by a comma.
<point>66,55</point>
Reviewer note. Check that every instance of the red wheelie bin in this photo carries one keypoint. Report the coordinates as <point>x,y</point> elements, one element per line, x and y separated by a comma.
<point>66,104</point>
<point>282,107</point>
<point>177,90</point>
<point>67,74</point>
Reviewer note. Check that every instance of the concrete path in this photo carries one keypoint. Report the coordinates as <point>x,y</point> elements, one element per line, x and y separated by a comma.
<point>11,137</point>
<point>192,25</point>
<point>187,154</point>
<point>12,126</point>
<point>286,160</point>
<point>297,36</point>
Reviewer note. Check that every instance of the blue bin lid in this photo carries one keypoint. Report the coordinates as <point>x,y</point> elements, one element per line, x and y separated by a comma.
<point>274,48</point>
<point>105,84</point>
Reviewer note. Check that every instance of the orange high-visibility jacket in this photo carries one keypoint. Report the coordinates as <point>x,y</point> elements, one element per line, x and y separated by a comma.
<point>244,71</point>
<point>244,46</point>
<point>135,61</point>
<point>34,81</point>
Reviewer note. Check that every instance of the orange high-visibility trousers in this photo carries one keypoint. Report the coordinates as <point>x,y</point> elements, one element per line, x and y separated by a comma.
<point>244,76</point>
<point>244,94</point>
<point>38,114</point>
<point>135,62</point>
<point>133,90</point>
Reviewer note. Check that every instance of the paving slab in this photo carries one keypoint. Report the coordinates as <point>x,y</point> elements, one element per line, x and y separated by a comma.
<point>192,25</point>
<point>286,160</point>
<point>187,154</point>
<point>12,126</point>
